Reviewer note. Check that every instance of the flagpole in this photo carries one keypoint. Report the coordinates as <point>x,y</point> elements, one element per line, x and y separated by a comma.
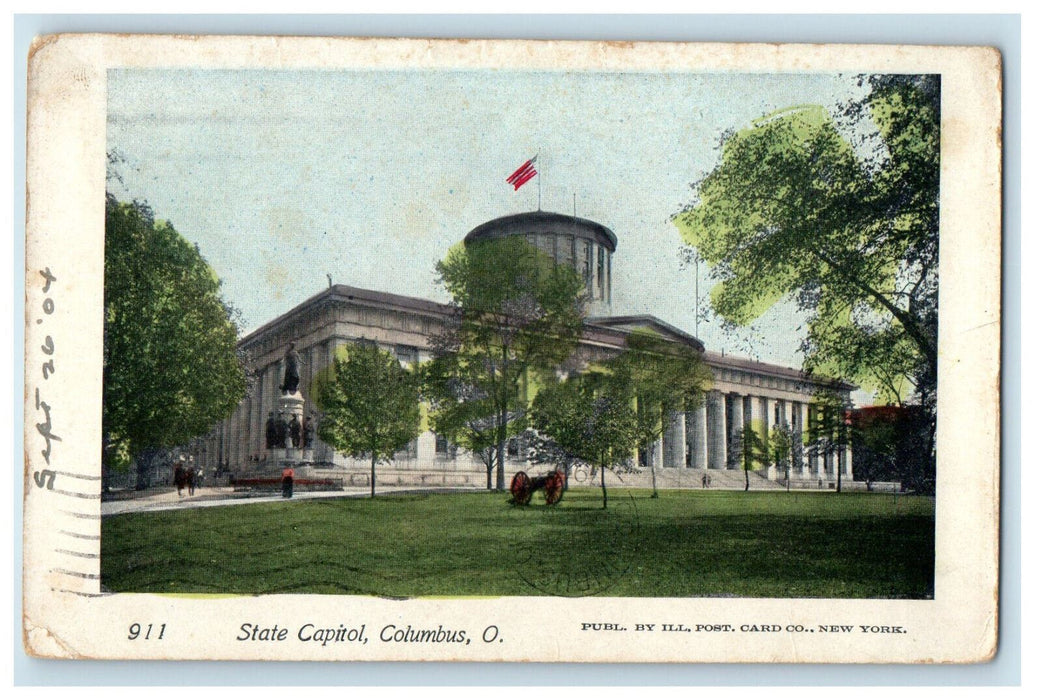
<point>696,297</point>
<point>539,181</point>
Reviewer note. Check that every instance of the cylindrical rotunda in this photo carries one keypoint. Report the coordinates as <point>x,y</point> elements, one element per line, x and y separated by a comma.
<point>585,245</point>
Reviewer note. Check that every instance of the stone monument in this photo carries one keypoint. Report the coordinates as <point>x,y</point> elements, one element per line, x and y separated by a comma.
<point>290,410</point>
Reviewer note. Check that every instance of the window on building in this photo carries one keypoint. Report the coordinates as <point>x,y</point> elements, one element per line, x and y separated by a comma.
<point>513,448</point>
<point>441,445</point>
<point>410,451</point>
<point>406,355</point>
<point>600,272</point>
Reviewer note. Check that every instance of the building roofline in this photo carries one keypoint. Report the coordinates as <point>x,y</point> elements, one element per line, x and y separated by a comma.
<point>600,324</point>
<point>718,359</point>
<point>649,320</point>
<point>349,293</point>
<point>491,229</point>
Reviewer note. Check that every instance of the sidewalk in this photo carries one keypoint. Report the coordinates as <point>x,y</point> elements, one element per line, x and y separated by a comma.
<point>209,496</point>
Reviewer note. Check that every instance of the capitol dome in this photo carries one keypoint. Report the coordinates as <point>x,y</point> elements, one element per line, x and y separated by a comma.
<point>585,245</point>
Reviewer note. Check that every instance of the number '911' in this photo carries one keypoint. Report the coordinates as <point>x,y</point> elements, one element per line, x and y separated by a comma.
<point>135,631</point>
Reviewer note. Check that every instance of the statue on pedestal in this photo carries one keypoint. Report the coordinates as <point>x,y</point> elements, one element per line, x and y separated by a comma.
<point>309,433</point>
<point>294,431</point>
<point>281,429</point>
<point>271,432</point>
<point>291,376</point>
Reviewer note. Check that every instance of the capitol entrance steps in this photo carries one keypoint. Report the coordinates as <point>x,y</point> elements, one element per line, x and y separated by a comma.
<point>677,478</point>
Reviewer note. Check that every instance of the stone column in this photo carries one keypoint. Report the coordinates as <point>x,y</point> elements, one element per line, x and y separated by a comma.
<point>273,375</point>
<point>697,436</point>
<point>736,423</point>
<point>321,358</point>
<point>256,418</point>
<point>716,433</point>
<point>758,417</point>
<point>848,463</point>
<point>764,420</point>
<point>675,441</point>
<point>231,429</point>
<point>656,453</point>
<point>803,418</point>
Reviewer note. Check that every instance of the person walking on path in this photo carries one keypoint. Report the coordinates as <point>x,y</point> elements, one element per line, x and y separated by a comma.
<point>287,482</point>
<point>179,477</point>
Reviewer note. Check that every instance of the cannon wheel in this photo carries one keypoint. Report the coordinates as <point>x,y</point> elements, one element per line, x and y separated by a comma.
<point>521,489</point>
<point>554,488</point>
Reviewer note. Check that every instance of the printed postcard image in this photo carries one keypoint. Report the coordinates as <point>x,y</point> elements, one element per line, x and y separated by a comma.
<point>371,349</point>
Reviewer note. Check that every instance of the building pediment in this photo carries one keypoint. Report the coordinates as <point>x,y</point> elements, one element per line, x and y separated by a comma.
<point>647,322</point>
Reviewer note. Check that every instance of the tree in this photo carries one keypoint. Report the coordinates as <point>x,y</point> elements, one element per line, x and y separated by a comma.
<point>541,449</point>
<point>461,410</point>
<point>516,312</point>
<point>171,368</point>
<point>885,440</point>
<point>848,229</point>
<point>781,448</point>
<point>660,378</point>
<point>754,452</point>
<point>591,419</point>
<point>370,405</point>
<point>829,431</point>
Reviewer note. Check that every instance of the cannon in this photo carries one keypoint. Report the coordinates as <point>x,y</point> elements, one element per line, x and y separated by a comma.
<point>522,486</point>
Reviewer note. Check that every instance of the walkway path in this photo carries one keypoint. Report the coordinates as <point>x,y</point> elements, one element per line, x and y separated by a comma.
<point>206,496</point>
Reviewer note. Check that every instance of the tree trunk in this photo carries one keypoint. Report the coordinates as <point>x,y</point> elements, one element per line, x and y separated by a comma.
<point>501,448</point>
<point>746,477</point>
<point>372,475</point>
<point>604,488</point>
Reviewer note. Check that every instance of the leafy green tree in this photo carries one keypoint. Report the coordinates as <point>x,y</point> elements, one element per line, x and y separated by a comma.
<point>755,453</point>
<point>660,378</point>
<point>780,448</point>
<point>886,441</point>
<point>845,227</point>
<point>517,312</point>
<point>370,405</point>
<point>171,368</point>
<point>829,430</point>
<point>591,419</point>
<point>540,449</point>
<point>460,409</point>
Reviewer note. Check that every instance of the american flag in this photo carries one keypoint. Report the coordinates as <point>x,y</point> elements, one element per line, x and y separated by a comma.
<point>523,174</point>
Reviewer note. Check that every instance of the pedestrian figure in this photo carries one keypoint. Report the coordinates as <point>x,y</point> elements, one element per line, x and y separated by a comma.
<point>179,477</point>
<point>294,431</point>
<point>709,480</point>
<point>309,433</point>
<point>191,477</point>
<point>819,483</point>
<point>704,482</point>
<point>287,482</point>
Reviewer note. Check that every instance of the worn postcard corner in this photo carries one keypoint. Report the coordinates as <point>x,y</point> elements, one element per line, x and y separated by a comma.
<point>369,349</point>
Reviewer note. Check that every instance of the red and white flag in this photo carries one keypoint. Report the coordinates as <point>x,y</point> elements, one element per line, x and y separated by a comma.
<point>523,174</point>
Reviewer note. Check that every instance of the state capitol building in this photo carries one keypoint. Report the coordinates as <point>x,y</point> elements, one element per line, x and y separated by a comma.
<point>704,441</point>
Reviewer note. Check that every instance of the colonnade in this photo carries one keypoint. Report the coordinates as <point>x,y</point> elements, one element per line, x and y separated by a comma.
<point>710,436</point>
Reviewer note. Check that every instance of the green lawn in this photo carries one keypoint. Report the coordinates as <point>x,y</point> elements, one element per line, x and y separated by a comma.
<point>685,543</point>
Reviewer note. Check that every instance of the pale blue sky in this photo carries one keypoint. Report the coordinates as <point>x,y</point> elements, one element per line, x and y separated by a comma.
<point>283,176</point>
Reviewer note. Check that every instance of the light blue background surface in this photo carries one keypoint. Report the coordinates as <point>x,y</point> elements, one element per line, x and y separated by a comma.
<point>1002,31</point>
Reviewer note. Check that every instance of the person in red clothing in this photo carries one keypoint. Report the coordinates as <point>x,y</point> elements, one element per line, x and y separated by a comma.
<point>287,482</point>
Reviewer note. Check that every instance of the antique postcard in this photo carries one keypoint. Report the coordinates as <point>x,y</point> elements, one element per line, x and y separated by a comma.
<point>375,349</point>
